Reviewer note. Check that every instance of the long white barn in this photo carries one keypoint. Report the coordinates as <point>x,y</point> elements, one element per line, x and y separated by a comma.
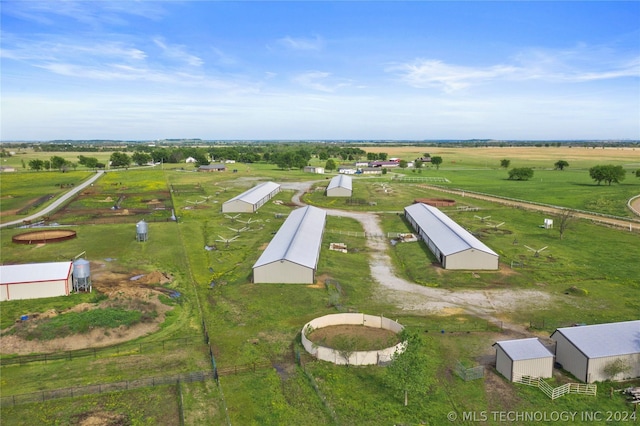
<point>586,351</point>
<point>252,199</point>
<point>35,280</point>
<point>292,255</point>
<point>340,186</point>
<point>452,245</point>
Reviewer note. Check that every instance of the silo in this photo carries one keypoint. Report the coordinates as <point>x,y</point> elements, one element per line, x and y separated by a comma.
<point>81,275</point>
<point>142,231</point>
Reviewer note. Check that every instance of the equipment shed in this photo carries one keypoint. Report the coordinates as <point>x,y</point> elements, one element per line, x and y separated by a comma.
<point>35,280</point>
<point>340,186</point>
<point>252,199</point>
<point>523,357</point>
<point>586,351</point>
<point>453,246</point>
<point>292,255</point>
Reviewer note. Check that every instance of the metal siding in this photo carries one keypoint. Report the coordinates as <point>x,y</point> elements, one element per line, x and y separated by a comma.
<point>38,290</point>
<point>536,367</point>
<point>572,360</point>
<point>338,192</point>
<point>237,206</point>
<point>597,365</point>
<point>471,259</point>
<point>503,363</point>
<point>4,294</point>
<point>283,272</point>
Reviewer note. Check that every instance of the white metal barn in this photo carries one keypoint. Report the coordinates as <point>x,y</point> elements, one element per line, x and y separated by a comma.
<point>35,280</point>
<point>292,255</point>
<point>585,351</point>
<point>453,246</point>
<point>252,199</point>
<point>523,357</point>
<point>340,186</point>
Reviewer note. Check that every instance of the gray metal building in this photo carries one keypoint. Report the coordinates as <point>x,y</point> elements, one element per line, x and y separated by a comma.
<point>453,246</point>
<point>252,199</point>
<point>523,357</point>
<point>340,186</point>
<point>586,351</point>
<point>292,255</point>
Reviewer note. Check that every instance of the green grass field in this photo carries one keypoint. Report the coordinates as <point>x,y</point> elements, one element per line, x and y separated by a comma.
<point>248,323</point>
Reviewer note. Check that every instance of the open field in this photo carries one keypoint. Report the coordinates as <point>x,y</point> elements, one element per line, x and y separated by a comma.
<point>588,276</point>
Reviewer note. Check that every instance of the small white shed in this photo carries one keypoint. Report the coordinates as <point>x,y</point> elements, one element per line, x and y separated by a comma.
<point>35,280</point>
<point>340,186</point>
<point>523,357</point>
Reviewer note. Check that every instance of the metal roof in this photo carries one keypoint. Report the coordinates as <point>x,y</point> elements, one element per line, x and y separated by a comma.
<point>340,181</point>
<point>523,349</point>
<point>298,240</point>
<point>600,340</point>
<point>257,193</point>
<point>447,235</point>
<point>34,272</point>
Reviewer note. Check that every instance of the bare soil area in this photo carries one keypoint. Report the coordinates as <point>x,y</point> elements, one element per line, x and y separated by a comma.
<point>364,338</point>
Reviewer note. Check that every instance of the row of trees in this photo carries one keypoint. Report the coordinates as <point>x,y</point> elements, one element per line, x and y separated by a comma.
<point>558,165</point>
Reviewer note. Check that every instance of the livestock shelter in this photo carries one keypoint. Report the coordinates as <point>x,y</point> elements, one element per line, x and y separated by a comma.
<point>252,199</point>
<point>523,357</point>
<point>35,280</point>
<point>588,351</point>
<point>292,255</point>
<point>340,186</point>
<point>212,168</point>
<point>452,245</point>
<point>314,169</point>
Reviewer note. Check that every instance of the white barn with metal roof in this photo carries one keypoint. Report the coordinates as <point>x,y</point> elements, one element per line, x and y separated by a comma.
<point>252,199</point>
<point>340,186</point>
<point>523,357</point>
<point>292,255</point>
<point>35,280</point>
<point>585,351</point>
<point>452,245</point>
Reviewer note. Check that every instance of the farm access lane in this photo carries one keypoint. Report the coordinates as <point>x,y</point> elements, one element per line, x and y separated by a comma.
<point>57,203</point>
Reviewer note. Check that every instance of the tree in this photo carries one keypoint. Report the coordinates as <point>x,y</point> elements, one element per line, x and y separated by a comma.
<point>140,158</point>
<point>436,161</point>
<point>403,164</point>
<point>120,159</point>
<point>88,162</point>
<point>36,165</point>
<point>522,173</point>
<point>505,163</point>
<point>560,165</point>
<point>607,173</point>
<point>417,164</point>
<point>638,173</point>
<point>408,371</point>
<point>57,162</point>
<point>564,219</point>
<point>330,164</point>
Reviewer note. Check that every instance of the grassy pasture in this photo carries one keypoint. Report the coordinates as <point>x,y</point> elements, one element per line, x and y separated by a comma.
<point>254,323</point>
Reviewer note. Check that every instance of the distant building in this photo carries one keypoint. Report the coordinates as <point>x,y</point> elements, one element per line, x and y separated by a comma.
<point>385,164</point>
<point>523,357</point>
<point>190,160</point>
<point>7,169</point>
<point>340,186</point>
<point>252,199</point>
<point>347,170</point>
<point>217,167</point>
<point>314,169</point>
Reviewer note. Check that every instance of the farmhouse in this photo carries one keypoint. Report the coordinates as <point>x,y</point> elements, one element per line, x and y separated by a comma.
<point>340,186</point>
<point>523,357</point>
<point>589,351</point>
<point>35,281</point>
<point>292,255</point>
<point>314,169</point>
<point>212,168</point>
<point>251,200</point>
<point>453,246</point>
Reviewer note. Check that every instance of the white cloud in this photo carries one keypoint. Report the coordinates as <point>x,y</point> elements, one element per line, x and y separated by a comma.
<point>301,43</point>
<point>318,80</point>
<point>178,52</point>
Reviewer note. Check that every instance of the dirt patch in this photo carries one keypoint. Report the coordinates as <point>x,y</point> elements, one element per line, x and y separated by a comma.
<point>320,281</point>
<point>361,337</point>
<point>102,418</point>
<point>499,392</point>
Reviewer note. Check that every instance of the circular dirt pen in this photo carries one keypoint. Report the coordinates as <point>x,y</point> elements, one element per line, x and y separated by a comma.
<point>436,202</point>
<point>335,338</point>
<point>42,237</point>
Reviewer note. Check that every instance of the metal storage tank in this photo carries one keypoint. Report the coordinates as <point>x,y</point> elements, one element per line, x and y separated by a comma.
<point>142,231</point>
<point>81,275</point>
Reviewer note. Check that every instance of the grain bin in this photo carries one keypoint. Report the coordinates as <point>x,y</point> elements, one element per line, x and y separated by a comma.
<point>81,275</point>
<point>142,231</point>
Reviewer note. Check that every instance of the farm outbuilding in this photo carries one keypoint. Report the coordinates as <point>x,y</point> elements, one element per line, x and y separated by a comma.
<point>251,200</point>
<point>523,357</point>
<point>588,351</point>
<point>35,280</point>
<point>340,186</point>
<point>452,245</point>
<point>314,169</point>
<point>292,255</point>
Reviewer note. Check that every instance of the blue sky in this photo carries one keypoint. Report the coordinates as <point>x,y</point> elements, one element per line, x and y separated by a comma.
<point>144,70</point>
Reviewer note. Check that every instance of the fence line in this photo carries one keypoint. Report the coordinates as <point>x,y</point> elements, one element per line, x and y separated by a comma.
<point>554,393</point>
<point>197,376</point>
<point>471,373</point>
<point>117,350</point>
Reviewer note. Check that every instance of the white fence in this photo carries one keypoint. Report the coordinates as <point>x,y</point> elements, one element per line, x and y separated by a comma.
<point>357,357</point>
<point>553,393</point>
